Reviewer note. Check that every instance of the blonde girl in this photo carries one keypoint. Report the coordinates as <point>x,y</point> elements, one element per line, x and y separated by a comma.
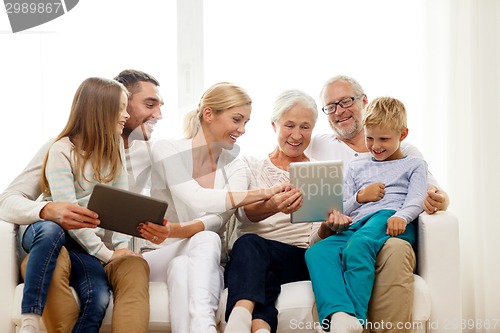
<point>89,150</point>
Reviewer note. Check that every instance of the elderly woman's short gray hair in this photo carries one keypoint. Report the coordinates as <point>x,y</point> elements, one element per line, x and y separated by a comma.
<point>288,99</point>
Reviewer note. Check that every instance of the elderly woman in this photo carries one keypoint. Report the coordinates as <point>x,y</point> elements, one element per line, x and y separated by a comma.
<point>270,250</point>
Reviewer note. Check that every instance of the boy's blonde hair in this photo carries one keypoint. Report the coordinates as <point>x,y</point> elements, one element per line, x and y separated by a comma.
<point>385,112</point>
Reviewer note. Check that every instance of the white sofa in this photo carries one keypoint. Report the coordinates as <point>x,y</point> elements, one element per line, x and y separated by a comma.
<point>437,304</point>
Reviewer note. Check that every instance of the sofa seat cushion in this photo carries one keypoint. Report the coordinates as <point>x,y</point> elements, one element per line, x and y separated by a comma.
<point>296,306</point>
<point>421,300</point>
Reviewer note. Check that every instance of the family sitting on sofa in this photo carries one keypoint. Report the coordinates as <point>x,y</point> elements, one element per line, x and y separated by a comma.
<point>107,140</point>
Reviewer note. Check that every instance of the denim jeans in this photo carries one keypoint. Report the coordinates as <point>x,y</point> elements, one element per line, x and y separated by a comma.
<point>43,240</point>
<point>90,282</point>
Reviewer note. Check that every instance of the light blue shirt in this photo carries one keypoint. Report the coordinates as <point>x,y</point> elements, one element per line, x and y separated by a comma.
<point>405,182</point>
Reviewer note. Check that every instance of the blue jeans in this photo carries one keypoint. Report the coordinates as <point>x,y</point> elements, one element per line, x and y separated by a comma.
<point>90,282</point>
<point>43,240</point>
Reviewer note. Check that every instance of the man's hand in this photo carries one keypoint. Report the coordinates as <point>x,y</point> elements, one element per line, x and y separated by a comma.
<point>395,226</point>
<point>435,200</point>
<point>371,193</point>
<point>69,216</point>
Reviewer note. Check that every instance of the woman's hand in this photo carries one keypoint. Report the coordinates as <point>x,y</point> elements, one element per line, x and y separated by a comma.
<point>286,202</point>
<point>276,189</point>
<point>154,232</point>
<point>337,222</point>
<point>371,193</point>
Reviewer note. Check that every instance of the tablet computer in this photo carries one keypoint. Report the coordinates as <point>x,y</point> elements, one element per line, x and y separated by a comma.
<point>122,211</point>
<point>321,186</point>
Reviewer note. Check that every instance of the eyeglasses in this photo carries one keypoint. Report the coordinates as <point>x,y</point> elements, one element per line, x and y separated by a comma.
<point>345,103</point>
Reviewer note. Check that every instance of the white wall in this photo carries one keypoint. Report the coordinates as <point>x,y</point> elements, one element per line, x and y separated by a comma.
<point>265,46</point>
<point>43,66</point>
<point>270,46</point>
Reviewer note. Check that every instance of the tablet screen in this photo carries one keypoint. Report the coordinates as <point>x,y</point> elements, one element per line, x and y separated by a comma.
<point>321,186</point>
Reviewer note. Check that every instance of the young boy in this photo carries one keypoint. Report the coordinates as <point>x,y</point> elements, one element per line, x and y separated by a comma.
<point>382,196</point>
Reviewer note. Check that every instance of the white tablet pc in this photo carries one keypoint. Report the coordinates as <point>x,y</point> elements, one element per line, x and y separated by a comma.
<point>122,211</point>
<point>321,186</point>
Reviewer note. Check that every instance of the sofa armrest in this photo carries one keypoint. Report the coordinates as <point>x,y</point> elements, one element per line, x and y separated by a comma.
<point>438,255</point>
<point>9,278</point>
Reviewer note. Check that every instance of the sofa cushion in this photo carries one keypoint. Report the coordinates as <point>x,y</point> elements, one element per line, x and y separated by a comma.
<point>421,300</point>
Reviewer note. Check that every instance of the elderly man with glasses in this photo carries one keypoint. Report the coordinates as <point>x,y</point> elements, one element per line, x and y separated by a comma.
<point>392,296</point>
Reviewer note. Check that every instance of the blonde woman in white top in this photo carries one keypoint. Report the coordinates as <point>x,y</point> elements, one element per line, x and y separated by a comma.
<point>203,183</point>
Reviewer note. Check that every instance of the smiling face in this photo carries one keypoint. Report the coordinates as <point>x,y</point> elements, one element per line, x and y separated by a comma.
<point>294,129</point>
<point>345,122</point>
<point>122,118</point>
<point>144,110</point>
<point>224,128</point>
<point>384,143</point>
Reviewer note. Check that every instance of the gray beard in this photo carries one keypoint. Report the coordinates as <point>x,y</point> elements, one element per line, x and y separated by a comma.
<point>346,134</point>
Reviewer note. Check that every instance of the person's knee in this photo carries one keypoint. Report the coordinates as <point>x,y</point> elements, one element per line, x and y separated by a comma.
<point>101,300</point>
<point>50,230</point>
<point>396,253</point>
<point>315,251</point>
<point>178,267</point>
<point>134,264</point>
<point>247,242</point>
<point>206,240</point>
<point>129,270</point>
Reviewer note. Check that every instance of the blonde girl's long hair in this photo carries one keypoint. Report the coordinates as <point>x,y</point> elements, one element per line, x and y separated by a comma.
<point>92,126</point>
<point>219,97</point>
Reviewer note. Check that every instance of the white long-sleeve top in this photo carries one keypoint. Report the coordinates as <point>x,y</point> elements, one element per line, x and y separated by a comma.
<point>405,181</point>
<point>68,185</point>
<point>277,227</point>
<point>172,181</point>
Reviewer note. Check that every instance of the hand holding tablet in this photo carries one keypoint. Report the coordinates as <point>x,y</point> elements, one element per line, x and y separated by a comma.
<point>122,211</point>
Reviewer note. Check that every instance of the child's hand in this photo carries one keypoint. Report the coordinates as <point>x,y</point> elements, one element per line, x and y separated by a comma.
<point>337,222</point>
<point>371,193</point>
<point>395,226</point>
